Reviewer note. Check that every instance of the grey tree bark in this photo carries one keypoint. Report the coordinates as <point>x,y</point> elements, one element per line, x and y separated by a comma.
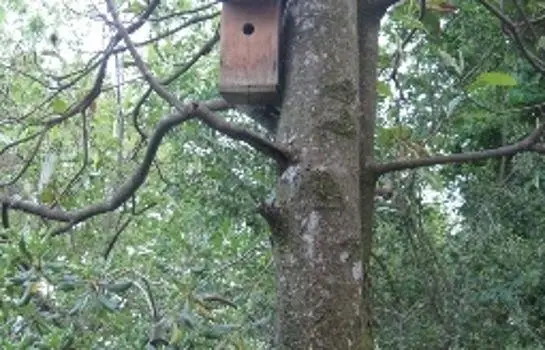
<point>322,217</point>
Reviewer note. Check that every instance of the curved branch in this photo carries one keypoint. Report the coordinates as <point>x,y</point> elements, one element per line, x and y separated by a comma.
<point>207,47</point>
<point>202,110</point>
<point>266,147</point>
<point>527,144</point>
<point>85,162</point>
<point>171,31</point>
<point>255,140</point>
<point>101,62</point>
<point>82,105</point>
<point>124,192</point>
<point>139,62</point>
<point>537,63</point>
<point>185,12</point>
<point>28,162</point>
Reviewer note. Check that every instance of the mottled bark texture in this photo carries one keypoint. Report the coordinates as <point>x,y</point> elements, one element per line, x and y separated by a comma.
<point>320,246</point>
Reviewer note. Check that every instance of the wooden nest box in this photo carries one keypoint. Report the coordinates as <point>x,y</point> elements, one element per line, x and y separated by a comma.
<point>249,50</point>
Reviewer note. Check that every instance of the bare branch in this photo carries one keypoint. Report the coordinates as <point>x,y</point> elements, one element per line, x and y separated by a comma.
<point>142,67</point>
<point>121,227</point>
<point>184,13</point>
<point>537,63</point>
<point>538,148</point>
<point>526,145</point>
<point>202,110</point>
<point>261,144</point>
<point>123,193</point>
<point>171,31</point>
<point>255,140</point>
<point>81,106</point>
<point>85,162</point>
<point>22,141</point>
<point>207,47</point>
<point>27,163</point>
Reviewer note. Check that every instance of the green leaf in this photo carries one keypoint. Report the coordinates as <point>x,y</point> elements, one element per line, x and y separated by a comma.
<point>67,285</point>
<point>493,79</point>
<point>217,331</point>
<point>119,287</point>
<point>59,105</point>
<point>383,89</point>
<point>24,250</point>
<point>80,303</point>
<point>108,303</point>
<point>27,294</point>
<point>410,22</point>
<point>541,43</point>
<point>48,195</point>
<point>136,7</point>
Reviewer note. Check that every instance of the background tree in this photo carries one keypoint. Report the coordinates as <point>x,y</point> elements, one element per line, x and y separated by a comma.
<point>161,229</point>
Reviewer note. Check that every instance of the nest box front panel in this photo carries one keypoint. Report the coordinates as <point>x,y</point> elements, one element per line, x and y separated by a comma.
<point>249,51</point>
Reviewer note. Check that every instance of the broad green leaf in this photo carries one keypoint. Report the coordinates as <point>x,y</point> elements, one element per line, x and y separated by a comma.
<point>80,303</point>
<point>136,7</point>
<point>176,334</point>
<point>493,79</point>
<point>23,248</point>
<point>107,303</point>
<point>217,331</point>
<point>48,195</point>
<point>27,294</point>
<point>383,89</point>
<point>119,287</point>
<point>59,105</point>
<point>67,285</point>
<point>541,43</point>
<point>411,23</point>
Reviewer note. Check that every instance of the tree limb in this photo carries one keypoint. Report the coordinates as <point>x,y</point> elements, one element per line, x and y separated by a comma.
<point>140,64</point>
<point>202,110</point>
<point>255,140</point>
<point>123,193</point>
<point>259,143</point>
<point>207,47</point>
<point>537,63</point>
<point>184,112</point>
<point>527,144</point>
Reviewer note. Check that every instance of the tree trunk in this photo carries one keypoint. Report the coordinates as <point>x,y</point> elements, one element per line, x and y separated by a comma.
<point>368,29</point>
<point>320,246</point>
